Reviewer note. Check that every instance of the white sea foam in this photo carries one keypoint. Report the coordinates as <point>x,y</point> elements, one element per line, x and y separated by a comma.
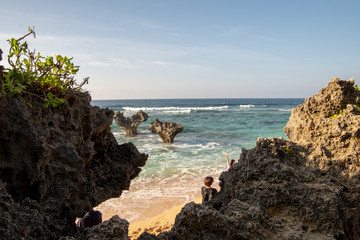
<point>284,110</point>
<point>176,109</point>
<point>210,145</point>
<point>247,106</point>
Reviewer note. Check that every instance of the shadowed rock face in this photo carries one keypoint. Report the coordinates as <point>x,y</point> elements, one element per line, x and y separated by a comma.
<point>166,130</point>
<point>1,67</point>
<point>303,188</point>
<point>58,163</point>
<point>130,125</point>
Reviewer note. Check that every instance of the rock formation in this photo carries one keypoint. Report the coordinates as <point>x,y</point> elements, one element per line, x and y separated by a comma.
<point>130,125</point>
<point>332,139</point>
<point>306,187</point>
<point>1,67</point>
<point>166,130</point>
<point>58,163</point>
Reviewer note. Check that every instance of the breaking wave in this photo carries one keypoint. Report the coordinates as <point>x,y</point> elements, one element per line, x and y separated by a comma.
<point>175,109</point>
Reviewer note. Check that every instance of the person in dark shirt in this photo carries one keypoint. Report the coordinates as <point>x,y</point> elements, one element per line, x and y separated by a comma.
<point>207,191</point>
<point>90,219</point>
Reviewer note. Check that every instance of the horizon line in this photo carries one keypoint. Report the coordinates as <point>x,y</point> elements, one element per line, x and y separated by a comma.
<point>121,99</point>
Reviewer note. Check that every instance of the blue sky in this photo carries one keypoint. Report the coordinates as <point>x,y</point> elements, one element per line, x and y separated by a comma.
<point>195,49</point>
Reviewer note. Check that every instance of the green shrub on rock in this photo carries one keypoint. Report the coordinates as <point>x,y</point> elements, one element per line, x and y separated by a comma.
<point>47,78</point>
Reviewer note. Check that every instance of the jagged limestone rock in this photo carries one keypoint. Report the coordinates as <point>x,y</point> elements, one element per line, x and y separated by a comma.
<point>130,125</point>
<point>306,187</point>
<point>332,141</point>
<point>115,228</point>
<point>58,163</point>
<point>1,67</point>
<point>166,130</point>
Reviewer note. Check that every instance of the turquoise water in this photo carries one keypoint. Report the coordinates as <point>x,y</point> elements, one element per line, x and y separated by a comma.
<point>211,126</point>
<point>174,173</point>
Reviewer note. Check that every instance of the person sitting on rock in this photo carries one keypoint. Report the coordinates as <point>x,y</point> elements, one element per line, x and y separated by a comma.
<point>90,219</point>
<point>207,191</point>
<point>230,164</point>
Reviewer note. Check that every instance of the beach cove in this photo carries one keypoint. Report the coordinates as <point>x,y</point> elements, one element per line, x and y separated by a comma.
<point>173,174</point>
<point>306,187</point>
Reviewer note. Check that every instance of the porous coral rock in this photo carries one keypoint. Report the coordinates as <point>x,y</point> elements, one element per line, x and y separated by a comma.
<point>130,125</point>
<point>58,163</point>
<point>306,187</point>
<point>115,229</point>
<point>166,130</point>
<point>332,139</point>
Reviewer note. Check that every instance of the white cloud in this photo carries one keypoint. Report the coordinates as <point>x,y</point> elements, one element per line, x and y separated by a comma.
<point>156,26</point>
<point>99,64</point>
<point>146,64</point>
<point>246,31</point>
<point>123,63</point>
<point>178,66</point>
<point>236,31</point>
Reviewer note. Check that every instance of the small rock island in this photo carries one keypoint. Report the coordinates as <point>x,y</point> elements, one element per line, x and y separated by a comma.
<point>130,125</point>
<point>166,130</point>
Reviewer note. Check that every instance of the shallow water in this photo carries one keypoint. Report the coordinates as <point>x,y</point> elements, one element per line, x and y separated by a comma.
<point>174,172</point>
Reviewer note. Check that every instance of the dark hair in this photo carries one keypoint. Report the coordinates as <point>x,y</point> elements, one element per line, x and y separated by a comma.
<point>232,163</point>
<point>208,181</point>
<point>90,219</point>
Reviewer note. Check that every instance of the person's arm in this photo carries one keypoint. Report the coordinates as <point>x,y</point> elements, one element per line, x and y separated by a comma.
<point>227,158</point>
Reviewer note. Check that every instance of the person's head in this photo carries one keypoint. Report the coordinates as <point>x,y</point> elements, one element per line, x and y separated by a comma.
<point>232,163</point>
<point>92,218</point>
<point>208,181</point>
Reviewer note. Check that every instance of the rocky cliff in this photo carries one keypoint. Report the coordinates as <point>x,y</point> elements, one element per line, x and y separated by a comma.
<point>306,187</point>
<point>58,163</point>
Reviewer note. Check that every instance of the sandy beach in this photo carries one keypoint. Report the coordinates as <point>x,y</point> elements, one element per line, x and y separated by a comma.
<point>153,215</point>
<point>157,224</point>
<point>153,208</point>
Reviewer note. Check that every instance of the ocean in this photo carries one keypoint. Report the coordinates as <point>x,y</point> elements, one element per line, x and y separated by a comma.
<point>174,172</point>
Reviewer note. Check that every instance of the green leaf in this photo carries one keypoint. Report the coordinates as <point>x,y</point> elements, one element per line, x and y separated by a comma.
<point>26,62</point>
<point>49,95</point>
<point>48,73</point>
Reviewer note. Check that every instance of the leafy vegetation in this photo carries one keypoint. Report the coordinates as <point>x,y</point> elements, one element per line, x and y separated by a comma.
<point>356,87</point>
<point>341,111</point>
<point>47,78</point>
<point>336,115</point>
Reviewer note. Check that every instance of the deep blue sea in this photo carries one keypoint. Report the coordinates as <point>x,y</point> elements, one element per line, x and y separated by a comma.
<point>211,126</point>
